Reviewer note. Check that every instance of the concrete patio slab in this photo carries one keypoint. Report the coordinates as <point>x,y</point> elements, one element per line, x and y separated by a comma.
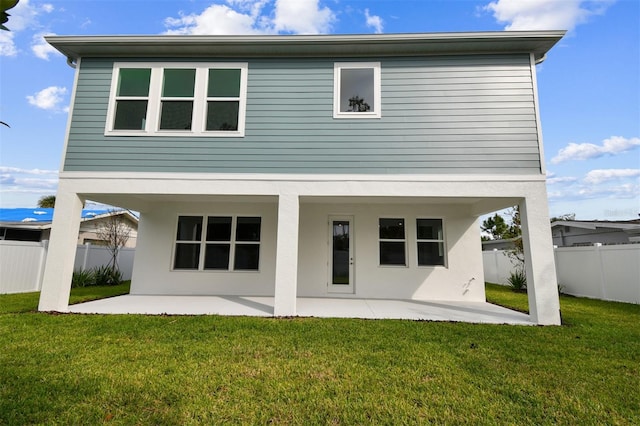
<point>306,307</point>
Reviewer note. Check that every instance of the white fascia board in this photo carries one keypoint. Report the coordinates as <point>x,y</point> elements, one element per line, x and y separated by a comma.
<point>283,177</point>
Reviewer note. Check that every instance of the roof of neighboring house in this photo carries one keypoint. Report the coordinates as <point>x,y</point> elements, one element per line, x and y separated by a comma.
<point>419,44</point>
<point>41,218</point>
<point>593,224</point>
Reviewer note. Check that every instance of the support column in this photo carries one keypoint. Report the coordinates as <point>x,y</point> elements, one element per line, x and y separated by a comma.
<point>58,270</point>
<point>287,256</point>
<point>542,284</point>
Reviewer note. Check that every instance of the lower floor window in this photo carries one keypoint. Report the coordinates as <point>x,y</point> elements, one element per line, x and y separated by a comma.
<point>218,243</point>
<point>392,242</point>
<point>430,240</point>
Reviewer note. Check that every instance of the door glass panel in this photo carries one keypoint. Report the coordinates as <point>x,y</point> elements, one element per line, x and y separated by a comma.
<point>340,269</point>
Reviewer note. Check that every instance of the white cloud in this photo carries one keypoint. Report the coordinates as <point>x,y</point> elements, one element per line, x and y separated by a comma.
<point>7,44</point>
<point>49,98</point>
<point>302,17</point>
<point>545,14</point>
<point>41,48</point>
<point>374,21</point>
<point>603,175</point>
<point>251,17</point>
<point>5,170</point>
<point>583,151</point>
<point>23,15</point>
<point>16,180</point>
<point>215,20</point>
<point>565,179</point>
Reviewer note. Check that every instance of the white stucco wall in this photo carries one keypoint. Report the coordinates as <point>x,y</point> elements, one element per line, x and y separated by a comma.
<point>460,279</point>
<point>152,272</point>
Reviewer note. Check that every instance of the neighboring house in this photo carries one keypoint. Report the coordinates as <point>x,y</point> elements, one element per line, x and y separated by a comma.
<point>34,224</point>
<point>508,244</point>
<point>308,166</point>
<point>571,233</point>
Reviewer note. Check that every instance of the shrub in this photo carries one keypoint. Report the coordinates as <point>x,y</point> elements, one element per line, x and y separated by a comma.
<point>517,280</point>
<point>107,275</point>
<point>82,278</point>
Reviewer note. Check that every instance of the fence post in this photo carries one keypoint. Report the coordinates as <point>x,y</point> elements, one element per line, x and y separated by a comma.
<point>497,270</point>
<point>598,250</point>
<point>87,248</point>
<point>43,258</point>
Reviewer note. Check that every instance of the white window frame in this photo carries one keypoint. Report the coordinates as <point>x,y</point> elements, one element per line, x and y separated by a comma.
<point>443,241</point>
<point>198,125</point>
<point>203,244</point>
<point>377,91</point>
<point>394,240</point>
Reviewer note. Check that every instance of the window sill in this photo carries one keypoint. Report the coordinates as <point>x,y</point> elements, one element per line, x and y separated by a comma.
<point>179,134</point>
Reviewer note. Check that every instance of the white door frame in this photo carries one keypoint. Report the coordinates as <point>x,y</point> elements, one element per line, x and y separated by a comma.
<point>342,287</point>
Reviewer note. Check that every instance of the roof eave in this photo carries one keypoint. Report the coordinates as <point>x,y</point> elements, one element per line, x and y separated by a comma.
<point>376,45</point>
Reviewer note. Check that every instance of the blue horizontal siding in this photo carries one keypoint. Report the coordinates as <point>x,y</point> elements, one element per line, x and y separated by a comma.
<point>471,114</point>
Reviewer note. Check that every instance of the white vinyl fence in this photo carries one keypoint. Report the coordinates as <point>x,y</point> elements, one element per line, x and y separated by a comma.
<point>22,263</point>
<point>599,272</point>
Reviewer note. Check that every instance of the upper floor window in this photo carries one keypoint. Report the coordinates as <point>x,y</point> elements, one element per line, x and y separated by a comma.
<point>177,99</point>
<point>356,90</point>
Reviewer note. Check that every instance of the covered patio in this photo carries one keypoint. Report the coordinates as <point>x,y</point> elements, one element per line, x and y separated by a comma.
<point>473,312</point>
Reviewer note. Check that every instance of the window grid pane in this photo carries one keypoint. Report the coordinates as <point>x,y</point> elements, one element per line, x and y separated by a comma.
<point>430,253</point>
<point>216,256</point>
<point>248,229</point>
<point>219,228</point>
<point>179,83</point>
<point>222,115</point>
<point>187,256</point>
<point>224,83</point>
<point>134,82</point>
<point>130,115</point>
<point>246,257</point>
<point>189,228</point>
<point>176,115</point>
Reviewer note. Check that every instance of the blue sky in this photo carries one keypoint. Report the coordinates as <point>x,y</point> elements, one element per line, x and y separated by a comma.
<point>589,86</point>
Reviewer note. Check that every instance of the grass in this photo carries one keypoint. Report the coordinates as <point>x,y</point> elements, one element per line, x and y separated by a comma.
<point>27,302</point>
<point>135,369</point>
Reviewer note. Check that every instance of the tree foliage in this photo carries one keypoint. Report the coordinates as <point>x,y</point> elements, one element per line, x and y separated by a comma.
<point>115,232</point>
<point>358,104</point>
<point>47,201</point>
<point>500,229</point>
<point>4,16</point>
<point>567,216</point>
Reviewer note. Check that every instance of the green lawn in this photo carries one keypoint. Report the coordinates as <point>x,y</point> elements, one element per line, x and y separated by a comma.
<point>134,369</point>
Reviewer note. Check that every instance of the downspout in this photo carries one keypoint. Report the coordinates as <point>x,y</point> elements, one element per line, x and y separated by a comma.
<point>70,62</point>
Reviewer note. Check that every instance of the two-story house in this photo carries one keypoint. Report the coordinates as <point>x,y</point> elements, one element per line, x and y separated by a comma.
<point>351,166</point>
